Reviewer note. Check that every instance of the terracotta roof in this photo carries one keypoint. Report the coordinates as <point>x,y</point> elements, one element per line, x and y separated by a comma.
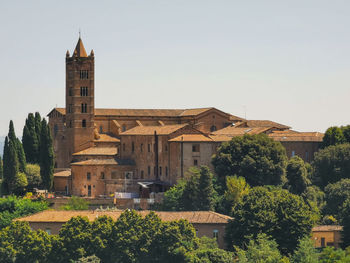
<point>235,118</point>
<point>98,151</point>
<point>80,49</point>
<point>105,162</point>
<point>220,137</point>
<point>146,112</point>
<point>106,138</point>
<point>327,228</point>
<point>191,138</point>
<point>238,131</point>
<point>292,136</point>
<point>197,217</point>
<point>261,123</point>
<point>149,130</point>
<point>65,173</point>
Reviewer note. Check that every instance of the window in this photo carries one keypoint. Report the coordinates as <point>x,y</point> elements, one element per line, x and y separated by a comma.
<point>213,128</point>
<point>141,174</point>
<point>89,190</point>
<point>101,129</point>
<point>166,171</point>
<point>149,147</point>
<point>84,74</point>
<point>124,128</point>
<point>195,162</point>
<point>293,153</point>
<point>70,108</point>
<point>128,175</point>
<point>83,108</point>
<point>70,124</point>
<point>132,147</point>
<point>102,175</point>
<point>88,176</point>
<point>195,148</point>
<point>166,148</point>
<point>83,123</point>
<point>48,231</point>
<point>149,171</point>
<point>141,147</point>
<point>323,242</point>
<point>83,91</point>
<point>160,170</point>
<point>55,129</point>
<point>70,91</point>
<point>216,234</point>
<point>307,156</point>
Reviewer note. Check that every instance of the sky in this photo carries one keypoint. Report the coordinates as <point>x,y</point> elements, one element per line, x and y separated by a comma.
<point>286,61</point>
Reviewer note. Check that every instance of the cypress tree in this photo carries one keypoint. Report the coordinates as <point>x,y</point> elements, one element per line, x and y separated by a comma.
<point>12,166</point>
<point>4,185</point>
<point>30,140</point>
<point>1,169</point>
<point>38,131</point>
<point>21,156</point>
<point>46,156</point>
<point>206,190</point>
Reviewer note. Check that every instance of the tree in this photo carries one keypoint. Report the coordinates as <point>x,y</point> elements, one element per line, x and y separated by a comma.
<point>76,203</point>
<point>262,250</point>
<point>333,136</point>
<point>90,259</point>
<point>236,188</point>
<point>46,156</point>
<point>270,211</point>
<point>5,178</point>
<point>33,175</point>
<point>257,158</point>
<point>332,255</point>
<point>38,125</point>
<point>173,197</point>
<point>314,196</point>
<point>345,221</point>
<point>297,176</point>
<point>30,140</point>
<point>305,252</point>
<point>199,193</point>
<point>12,167</point>
<point>336,194</point>
<point>18,147</point>
<point>346,133</point>
<point>331,164</point>
<point>1,169</point>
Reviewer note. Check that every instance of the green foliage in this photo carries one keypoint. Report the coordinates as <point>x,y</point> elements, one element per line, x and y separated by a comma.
<point>14,207</point>
<point>332,164</point>
<point>90,259</point>
<point>346,133</point>
<point>46,156</point>
<point>336,194</point>
<point>76,203</point>
<point>305,252</point>
<point>172,198</point>
<point>332,255</point>
<point>1,169</point>
<point>212,255</point>
<point>196,193</point>
<point>261,250</point>
<point>297,176</point>
<point>257,158</point>
<point>33,175</point>
<point>333,136</point>
<point>314,196</point>
<point>282,215</point>
<point>30,140</point>
<point>236,188</point>
<point>345,221</point>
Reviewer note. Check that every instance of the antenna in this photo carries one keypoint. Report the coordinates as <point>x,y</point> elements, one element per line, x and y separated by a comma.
<point>245,111</point>
<point>79,33</point>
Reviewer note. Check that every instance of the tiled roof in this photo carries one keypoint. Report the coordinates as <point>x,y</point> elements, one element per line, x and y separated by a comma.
<point>149,130</point>
<point>65,173</point>
<point>191,138</point>
<point>261,123</point>
<point>238,131</point>
<point>327,228</point>
<point>292,136</point>
<point>235,118</point>
<point>146,112</point>
<point>104,162</point>
<point>220,137</point>
<point>98,151</point>
<point>196,217</point>
<point>106,138</point>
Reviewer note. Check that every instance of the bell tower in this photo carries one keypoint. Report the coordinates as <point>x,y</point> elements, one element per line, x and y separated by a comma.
<point>80,99</point>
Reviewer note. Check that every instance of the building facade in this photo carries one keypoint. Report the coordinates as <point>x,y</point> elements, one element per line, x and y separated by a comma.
<point>142,150</point>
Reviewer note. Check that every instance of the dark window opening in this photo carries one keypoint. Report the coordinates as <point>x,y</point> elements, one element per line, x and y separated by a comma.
<point>88,176</point>
<point>195,148</point>
<point>83,108</point>
<point>141,174</point>
<point>84,74</point>
<point>160,170</point>
<point>166,148</point>
<point>141,147</point>
<point>323,242</point>
<point>83,91</point>
<point>70,92</point>
<point>101,129</point>
<point>213,128</point>
<point>195,162</point>
<point>149,171</point>
<point>132,147</point>
<point>166,171</point>
<point>102,175</point>
<point>124,128</point>
<point>83,123</point>
<point>89,190</point>
<point>149,148</point>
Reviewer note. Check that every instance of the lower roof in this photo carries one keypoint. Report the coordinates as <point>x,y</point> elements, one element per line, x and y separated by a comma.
<point>194,217</point>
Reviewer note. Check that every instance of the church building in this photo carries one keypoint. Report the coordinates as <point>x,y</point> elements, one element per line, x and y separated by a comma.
<point>133,152</point>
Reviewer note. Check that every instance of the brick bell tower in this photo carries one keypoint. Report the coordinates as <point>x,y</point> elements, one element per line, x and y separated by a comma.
<point>80,99</point>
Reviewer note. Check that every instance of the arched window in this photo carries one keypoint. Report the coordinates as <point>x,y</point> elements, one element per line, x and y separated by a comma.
<point>123,128</point>
<point>83,123</point>
<point>213,128</point>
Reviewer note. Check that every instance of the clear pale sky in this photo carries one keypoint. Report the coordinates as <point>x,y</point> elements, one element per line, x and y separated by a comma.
<point>286,61</point>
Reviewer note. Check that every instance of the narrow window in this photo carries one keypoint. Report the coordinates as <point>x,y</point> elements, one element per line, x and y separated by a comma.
<point>88,176</point>
<point>84,74</point>
<point>123,147</point>
<point>216,234</point>
<point>89,190</point>
<point>70,124</point>
<point>141,174</point>
<point>293,153</point>
<point>102,175</point>
<point>70,92</point>
<point>132,147</point>
<point>55,129</point>
<point>149,171</point>
<point>166,171</point>
<point>160,170</point>
<point>149,147</point>
<point>307,156</point>
<point>195,162</point>
<point>141,147</point>
<point>101,129</point>
<point>124,128</point>
<point>195,148</point>
<point>83,123</point>
<point>70,108</point>
<point>166,148</point>
<point>323,242</point>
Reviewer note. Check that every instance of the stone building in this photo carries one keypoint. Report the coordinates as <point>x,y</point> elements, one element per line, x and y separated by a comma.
<point>140,151</point>
<point>206,223</point>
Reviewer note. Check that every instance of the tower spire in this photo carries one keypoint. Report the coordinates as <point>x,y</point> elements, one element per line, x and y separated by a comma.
<point>80,49</point>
